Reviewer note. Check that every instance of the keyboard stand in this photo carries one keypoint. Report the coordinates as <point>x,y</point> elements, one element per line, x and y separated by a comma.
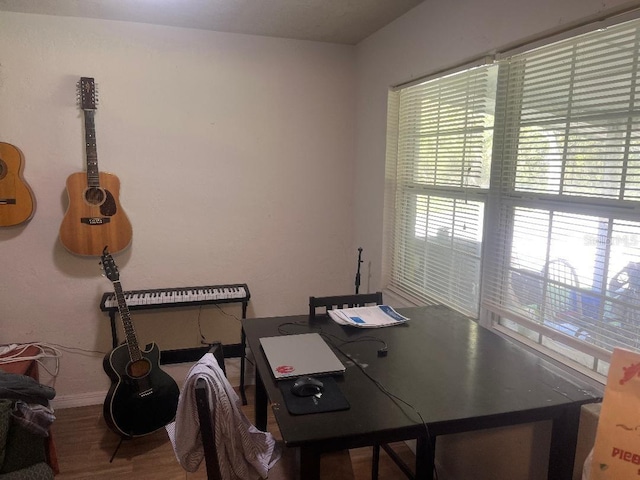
<point>193,354</point>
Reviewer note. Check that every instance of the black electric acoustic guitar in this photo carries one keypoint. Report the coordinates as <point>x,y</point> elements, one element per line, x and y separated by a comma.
<point>142,397</point>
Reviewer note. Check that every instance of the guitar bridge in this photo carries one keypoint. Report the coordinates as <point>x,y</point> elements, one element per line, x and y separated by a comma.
<point>146,393</point>
<point>7,201</point>
<point>95,220</point>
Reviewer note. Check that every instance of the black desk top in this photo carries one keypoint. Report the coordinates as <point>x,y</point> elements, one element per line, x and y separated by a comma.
<point>457,374</point>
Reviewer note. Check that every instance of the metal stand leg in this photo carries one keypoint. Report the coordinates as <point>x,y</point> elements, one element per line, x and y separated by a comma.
<point>116,450</point>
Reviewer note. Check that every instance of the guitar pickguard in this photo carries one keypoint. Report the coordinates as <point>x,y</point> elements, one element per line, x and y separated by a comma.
<point>108,208</point>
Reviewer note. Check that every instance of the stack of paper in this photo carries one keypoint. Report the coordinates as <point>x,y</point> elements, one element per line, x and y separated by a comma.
<point>367,317</point>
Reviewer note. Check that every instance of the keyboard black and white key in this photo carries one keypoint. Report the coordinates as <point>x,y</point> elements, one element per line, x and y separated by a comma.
<point>179,296</point>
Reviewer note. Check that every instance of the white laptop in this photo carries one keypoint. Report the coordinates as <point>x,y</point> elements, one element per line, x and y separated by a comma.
<point>295,355</point>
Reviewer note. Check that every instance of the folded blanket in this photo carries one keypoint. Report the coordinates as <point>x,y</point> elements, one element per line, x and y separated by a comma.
<point>23,387</point>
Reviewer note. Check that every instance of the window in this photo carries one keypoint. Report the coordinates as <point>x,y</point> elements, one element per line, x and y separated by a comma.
<point>557,176</point>
<point>442,157</point>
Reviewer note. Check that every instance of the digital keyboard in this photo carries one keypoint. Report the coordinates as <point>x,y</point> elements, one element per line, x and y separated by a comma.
<point>178,297</point>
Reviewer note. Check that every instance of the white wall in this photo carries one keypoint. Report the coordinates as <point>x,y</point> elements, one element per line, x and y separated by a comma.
<point>235,155</point>
<point>432,37</point>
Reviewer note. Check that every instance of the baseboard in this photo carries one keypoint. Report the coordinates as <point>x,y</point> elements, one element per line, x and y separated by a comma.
<point>78,400</point>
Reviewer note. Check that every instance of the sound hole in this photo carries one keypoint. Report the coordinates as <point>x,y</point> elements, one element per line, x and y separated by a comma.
<point>3,169</point>
<point>139,368</point>
<point>94,195</point>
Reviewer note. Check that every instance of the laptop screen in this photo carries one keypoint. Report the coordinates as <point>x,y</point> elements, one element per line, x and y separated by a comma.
<point>295,355</point>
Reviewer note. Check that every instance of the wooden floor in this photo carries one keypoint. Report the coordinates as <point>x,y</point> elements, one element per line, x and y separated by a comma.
<point>85,445</point>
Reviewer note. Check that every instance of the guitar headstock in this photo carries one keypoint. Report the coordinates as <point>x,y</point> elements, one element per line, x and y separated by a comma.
<point>88,94</point>
<point>109,266</point>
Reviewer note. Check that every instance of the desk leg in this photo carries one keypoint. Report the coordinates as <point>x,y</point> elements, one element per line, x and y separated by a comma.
<point>261,404</point>
<point>309,464</point>
<point>425,457</point>
<point>564,436</point>
<point>243,356</point>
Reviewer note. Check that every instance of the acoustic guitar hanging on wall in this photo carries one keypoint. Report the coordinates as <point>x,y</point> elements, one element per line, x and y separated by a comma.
<point>17,203</point>
<point>94,217</point>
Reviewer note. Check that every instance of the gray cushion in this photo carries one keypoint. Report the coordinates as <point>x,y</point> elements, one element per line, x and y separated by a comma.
<point>5,421</point>
<point>39,471</point>
<point>23,448</point>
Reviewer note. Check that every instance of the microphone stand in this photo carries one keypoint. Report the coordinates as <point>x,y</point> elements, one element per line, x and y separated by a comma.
<point>358,272</point>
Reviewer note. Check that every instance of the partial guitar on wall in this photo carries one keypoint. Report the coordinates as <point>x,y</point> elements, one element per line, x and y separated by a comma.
<point>94,217</point>
<point>17,202</point>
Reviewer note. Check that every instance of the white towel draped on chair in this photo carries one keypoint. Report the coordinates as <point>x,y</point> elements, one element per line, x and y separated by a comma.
<point>244,452</point>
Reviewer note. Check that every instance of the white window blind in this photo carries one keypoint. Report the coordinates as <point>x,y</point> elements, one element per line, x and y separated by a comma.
<point>440,136</point>
<point>563,270</point>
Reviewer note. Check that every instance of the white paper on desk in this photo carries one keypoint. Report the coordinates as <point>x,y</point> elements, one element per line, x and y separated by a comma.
<point>375,316</point>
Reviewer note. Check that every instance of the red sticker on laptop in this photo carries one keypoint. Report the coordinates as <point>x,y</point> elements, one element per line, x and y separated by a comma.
<point>285,369</point>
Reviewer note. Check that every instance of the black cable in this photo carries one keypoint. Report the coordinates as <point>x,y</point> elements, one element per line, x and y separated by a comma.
<point>202,337</point>
<point>227,313</point>
<point>392,396</point>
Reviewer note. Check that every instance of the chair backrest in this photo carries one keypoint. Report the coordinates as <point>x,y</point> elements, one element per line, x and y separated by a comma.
<point>206,419</point>
<point>344,301</point>
<point>561,296</point>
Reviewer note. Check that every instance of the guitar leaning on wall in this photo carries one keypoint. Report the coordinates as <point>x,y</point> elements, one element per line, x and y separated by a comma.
<point>17,203</point>
<point>142,398</point>
<point>94,217</point>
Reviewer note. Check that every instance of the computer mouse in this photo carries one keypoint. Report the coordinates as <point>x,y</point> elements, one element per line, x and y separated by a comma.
<point>306,387</point>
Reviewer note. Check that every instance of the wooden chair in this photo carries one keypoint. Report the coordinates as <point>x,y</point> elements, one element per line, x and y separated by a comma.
<point>337,465</point>
<point>206,419</point>
<point>343,301</point>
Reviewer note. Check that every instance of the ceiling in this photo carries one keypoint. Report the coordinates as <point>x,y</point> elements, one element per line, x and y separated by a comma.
<point>336,21</point>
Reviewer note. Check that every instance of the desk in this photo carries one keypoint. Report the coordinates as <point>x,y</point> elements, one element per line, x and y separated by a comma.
<point>458,375</point>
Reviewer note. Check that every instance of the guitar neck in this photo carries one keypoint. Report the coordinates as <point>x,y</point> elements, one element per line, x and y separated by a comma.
<point>93,175</point>
<point>130,334</point>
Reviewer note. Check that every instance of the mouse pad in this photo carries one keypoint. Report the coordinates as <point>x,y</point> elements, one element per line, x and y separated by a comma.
<point>331,400</point>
